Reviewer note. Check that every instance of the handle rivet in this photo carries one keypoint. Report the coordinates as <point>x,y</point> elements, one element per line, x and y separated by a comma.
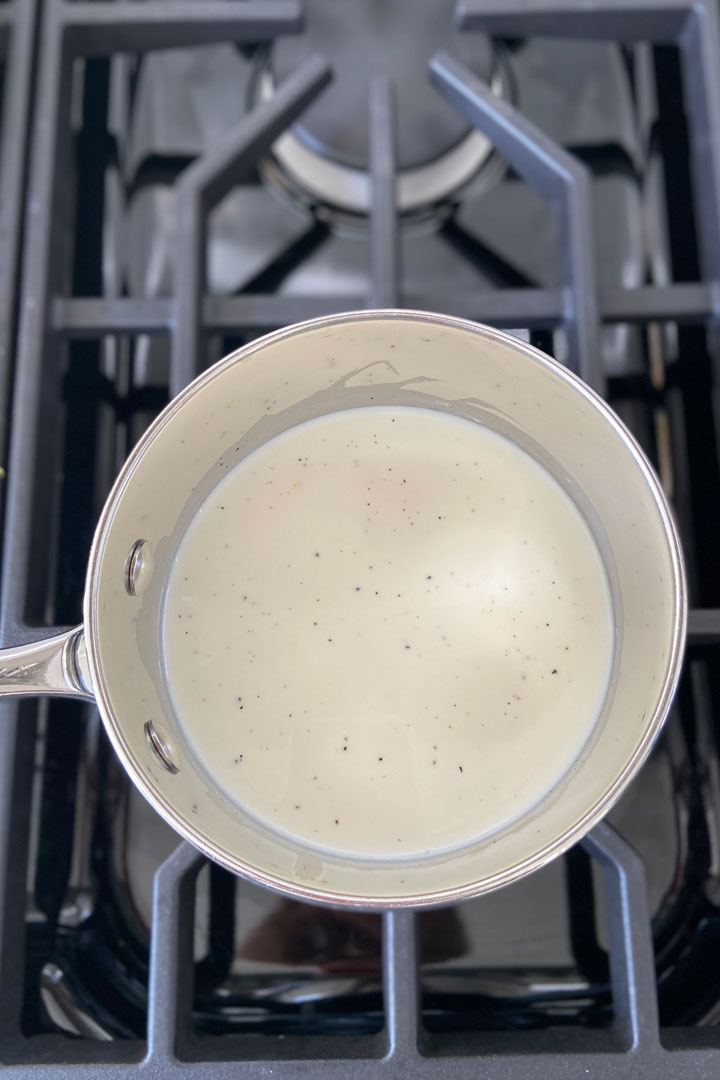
<point>138,568</point>
<point>162,746</point>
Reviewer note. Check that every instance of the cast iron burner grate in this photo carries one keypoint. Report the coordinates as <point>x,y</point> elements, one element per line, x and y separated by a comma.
<point>642,993</point>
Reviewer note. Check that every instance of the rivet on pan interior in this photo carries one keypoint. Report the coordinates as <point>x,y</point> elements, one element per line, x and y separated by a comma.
<point>162,746</point>
<point>138,567</point>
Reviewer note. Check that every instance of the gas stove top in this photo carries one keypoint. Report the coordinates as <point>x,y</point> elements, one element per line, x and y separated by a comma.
<point>178,178</point>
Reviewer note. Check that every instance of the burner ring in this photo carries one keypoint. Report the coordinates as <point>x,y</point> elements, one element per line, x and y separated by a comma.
<point>393,39</point>
<point>336,191</point>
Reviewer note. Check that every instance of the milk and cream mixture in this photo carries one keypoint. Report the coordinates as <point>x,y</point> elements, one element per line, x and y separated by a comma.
<point>387,632</point>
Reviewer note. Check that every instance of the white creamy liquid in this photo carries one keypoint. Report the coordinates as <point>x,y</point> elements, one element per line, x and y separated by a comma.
<point>388,632</point>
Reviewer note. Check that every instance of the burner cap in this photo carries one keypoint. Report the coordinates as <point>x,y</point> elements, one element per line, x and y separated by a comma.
<point>396,38</point>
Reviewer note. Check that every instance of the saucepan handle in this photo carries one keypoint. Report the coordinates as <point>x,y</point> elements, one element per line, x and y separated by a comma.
<point>56,666</point>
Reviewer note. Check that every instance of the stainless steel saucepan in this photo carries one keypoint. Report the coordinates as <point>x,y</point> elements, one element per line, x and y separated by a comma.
<point>319,367</point>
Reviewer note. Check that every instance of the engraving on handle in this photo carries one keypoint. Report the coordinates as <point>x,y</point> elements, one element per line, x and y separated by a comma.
<point>56,666</point>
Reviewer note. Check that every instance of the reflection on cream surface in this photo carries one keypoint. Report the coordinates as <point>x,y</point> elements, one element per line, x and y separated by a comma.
<point>388,632</point>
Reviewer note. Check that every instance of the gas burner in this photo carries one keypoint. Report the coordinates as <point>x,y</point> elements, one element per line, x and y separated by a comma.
<point>158,268</point>
<point>323,159</point>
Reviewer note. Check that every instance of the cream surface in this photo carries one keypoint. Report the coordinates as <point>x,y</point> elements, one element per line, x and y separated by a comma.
<point>388,632</point>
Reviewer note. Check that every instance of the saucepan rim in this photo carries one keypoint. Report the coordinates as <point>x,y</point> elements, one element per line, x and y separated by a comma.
<point>549,851</point>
